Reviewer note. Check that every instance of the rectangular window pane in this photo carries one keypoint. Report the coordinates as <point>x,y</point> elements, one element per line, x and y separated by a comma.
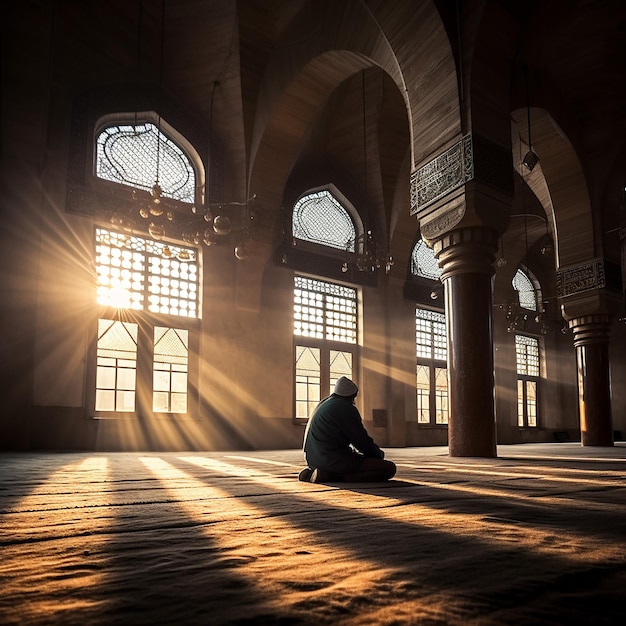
<point>308,380</point>
<point>531,402</point>
<point>126,378</point>
<point>160,381</point>
<point>423,394</point>
<point>179,402</point>
<point>170,367</point>
<point>105,400</point>
<point>105,377</point>
<point>116,370</point>
<point>160,401</point>
<point>441,395</point>
<point>340,365</point>
<point>125,401</point>
<point>520,403</point>
<point>179,382</point>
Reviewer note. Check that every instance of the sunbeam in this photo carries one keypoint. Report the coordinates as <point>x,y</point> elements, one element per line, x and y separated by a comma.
<point>488,529</point>
<point>259,544</point>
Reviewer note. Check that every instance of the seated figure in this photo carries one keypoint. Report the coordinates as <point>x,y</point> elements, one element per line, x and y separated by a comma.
<point>337,447</point>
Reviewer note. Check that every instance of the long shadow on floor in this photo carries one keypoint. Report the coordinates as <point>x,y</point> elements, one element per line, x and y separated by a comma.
<point>517,566</point>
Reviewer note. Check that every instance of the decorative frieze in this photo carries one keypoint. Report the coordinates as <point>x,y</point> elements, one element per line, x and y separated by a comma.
<point>472,158</point>
<point>445,173</point>
<point>443,223</point>
<point>580,278</point>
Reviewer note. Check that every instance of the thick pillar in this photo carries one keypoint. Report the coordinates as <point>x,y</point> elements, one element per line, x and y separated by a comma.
<point>591,339</point>
<point>591,297</point>
<point>466,257</point>
<point>463,201</point>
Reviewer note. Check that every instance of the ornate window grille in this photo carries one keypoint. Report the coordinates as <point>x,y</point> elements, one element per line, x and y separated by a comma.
<point>423,262</point>
<point>525,290</point>
<point>527,352</point>
<point>430,334</point>
<point>141,156</point>
<point>146,275</point>
<point>325,310</point>
<point>320,218</point>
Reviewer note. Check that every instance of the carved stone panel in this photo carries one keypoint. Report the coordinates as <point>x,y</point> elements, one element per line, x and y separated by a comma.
<point>580,278</point>
<point>442,223</point>
<point>445,173</point>
<point>472,158</point>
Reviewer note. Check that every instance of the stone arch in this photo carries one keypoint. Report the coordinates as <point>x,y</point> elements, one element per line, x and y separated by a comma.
<point>558,181</point>
<point>410,44</point>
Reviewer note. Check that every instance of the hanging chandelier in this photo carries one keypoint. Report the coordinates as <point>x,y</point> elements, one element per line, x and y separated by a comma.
<point>371,255</point>
<point>167,209</point>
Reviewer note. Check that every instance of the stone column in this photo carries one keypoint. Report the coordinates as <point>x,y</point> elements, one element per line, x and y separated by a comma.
<point>591,297</point>
<point>591,340</point>
<point>463,202</point>
<point>466,257</point>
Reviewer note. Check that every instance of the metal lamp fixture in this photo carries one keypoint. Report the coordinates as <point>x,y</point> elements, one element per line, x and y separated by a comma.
<point>371,254</point>
<point>530,158</point>
<point>220,228</point>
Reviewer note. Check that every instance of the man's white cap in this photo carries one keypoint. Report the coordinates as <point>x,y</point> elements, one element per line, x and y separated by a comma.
<point>345,387</point>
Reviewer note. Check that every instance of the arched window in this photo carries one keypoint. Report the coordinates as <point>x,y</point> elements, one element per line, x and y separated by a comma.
<point>142,155</point>
<point>526,291</point>
<point>319,217</point>
<point>528,355</point>
<point>144,358</point>
<point>325,313</point>
<point>423,262</point>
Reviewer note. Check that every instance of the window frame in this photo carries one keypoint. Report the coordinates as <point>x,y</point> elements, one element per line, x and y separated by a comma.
<point>146,321</point>
<point>325,345</point>
<point>144,390</point>
<point>526,380</point>
<point>433,364</point>
<point>326,388</point>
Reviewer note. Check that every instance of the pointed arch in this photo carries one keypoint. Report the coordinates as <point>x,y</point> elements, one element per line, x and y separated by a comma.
<point>324,216</point>
<point>528,290</point>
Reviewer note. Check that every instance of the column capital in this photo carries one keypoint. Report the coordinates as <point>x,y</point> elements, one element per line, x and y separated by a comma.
<point>466,250</point>
<point>590,329</point>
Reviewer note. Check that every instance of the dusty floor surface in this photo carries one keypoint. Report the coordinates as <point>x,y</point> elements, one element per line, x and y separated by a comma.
<point>535,536</point>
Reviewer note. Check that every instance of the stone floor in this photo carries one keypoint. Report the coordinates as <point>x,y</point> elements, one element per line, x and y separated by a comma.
<point>535,536</point>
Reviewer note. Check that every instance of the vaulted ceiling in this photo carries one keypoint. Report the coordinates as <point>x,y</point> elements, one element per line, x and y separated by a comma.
<point>218,59</point>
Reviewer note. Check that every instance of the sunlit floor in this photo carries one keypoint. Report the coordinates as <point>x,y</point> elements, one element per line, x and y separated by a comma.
<point>536,536</point>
